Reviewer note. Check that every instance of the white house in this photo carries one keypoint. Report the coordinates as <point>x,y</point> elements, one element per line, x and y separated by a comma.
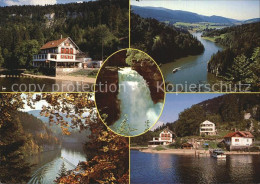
<point>165,138</point>
<point>207,128</point>
<point>58,53</point>
<point>239,139</point>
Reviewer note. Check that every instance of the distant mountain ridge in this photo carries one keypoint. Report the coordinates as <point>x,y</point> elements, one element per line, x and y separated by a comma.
<point>251,21</point>
<point>173,16</point>
<point>55,128</point>
<point>76,136</point>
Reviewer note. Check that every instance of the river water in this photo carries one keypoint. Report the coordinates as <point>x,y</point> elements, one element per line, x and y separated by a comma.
<point>42,85</point>
<point>48,164</point>
<point>193,69</point>
<point>170,168</point>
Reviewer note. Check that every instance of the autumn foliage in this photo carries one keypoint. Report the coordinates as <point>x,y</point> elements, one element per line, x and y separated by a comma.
<point>108,156</point>
<point>106,152</point>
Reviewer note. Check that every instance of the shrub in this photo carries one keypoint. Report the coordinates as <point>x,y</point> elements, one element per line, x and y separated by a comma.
<point>159,148</point>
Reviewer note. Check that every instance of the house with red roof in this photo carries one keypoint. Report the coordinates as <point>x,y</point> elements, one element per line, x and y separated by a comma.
<point>239,139</point>
<point>58,54</point>
<point>165,138</point>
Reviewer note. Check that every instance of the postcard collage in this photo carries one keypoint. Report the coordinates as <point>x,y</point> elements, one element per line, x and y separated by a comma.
<point>129,91</point>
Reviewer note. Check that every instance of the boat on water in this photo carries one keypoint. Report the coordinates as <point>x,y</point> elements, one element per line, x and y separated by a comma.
<point>219,154</point>
<point>176,69</point>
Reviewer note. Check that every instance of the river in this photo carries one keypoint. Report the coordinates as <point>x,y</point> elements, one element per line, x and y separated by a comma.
<point>48,164</point>
<point>193,69</point>
<point>170,168</point>
<point>23,84</point>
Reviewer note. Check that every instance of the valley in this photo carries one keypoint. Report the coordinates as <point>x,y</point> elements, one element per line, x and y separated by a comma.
<point>232,65</point>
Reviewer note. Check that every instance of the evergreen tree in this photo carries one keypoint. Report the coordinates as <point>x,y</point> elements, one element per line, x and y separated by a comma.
<point>240,71</point>
<point>62,171</point>
<point>256,65</point>
<point>24,52</point>
<point>1,58</point>
<point>13,165</point>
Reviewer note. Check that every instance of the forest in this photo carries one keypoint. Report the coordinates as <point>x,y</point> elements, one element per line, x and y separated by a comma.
<point>107,153</point>
<point>240,60</point>
<point>25,135</point>
<point>226,111</point>
<point>91,25</point>
<point>163,42</point>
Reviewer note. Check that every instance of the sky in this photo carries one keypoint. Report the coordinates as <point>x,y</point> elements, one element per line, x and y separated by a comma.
<point>236,9</point>
<point>176,103</point>
<point>37,106</point>
<point>35,2</point>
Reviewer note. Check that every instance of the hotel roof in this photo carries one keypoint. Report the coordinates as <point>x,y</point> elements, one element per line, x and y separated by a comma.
<point>239,134</point>
<point>53,44</point>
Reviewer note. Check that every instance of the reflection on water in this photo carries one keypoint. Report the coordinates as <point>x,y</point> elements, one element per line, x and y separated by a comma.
<point>169,168</point>
<point>48,164</point>
<point>193,69</point>
<point>42,85</point>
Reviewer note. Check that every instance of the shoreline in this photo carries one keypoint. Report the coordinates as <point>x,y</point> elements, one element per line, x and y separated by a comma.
<point>191,152</point>
<point>65,78</point>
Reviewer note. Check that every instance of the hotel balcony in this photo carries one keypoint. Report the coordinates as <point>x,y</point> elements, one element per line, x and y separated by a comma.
<point>55,57</point>
<point>207,130</point>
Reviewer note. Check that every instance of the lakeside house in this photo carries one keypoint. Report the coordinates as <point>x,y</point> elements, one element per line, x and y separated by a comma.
<point>207,128</point>
<point>238,140</point>
<point>165,138</point>
<point>187,146</point>
<point>58,53</point>
<point>64,56</point>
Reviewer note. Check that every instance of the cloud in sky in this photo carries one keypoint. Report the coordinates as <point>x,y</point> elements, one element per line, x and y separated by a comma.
<point>28,2</point>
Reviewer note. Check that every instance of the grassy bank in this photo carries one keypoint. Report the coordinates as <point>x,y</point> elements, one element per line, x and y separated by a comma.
<point>83,72</point>
<point>213,39</point>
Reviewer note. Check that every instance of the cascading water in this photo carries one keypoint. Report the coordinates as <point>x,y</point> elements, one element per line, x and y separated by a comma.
<point>136,104</point>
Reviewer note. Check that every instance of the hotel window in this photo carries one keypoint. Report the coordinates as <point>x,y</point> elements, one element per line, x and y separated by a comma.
<point>71,50</point>
<point>236,140</point>
<point>62,50</point>
<point>67,51</point>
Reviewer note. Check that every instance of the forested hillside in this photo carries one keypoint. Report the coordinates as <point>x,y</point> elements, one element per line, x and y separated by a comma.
<point>226,111</point>
<point>22,135</point>
<point>38,137</point>
<point>240,60</point>
<point>161,41</point>
<point>24,29</point>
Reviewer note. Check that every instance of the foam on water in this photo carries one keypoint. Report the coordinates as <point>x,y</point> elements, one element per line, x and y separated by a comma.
<point>135,101</point>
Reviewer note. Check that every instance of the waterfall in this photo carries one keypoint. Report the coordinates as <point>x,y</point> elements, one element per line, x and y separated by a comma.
<point>135,102</point>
